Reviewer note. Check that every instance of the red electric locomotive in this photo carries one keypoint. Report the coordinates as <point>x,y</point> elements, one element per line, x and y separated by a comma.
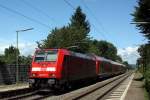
<point>57,68</point>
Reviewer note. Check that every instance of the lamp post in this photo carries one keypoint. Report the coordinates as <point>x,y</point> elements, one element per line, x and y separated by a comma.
<point>17,69</point>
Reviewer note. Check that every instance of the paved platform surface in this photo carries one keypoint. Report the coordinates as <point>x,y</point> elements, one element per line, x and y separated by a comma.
<point>119,92</point>
<point>136,90</point>
<point>4,88</point>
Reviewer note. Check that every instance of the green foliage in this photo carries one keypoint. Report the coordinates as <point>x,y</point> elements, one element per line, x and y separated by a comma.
<point>118,58</point>
<point>126,63</point>
<point>94,49</point>
<point>144,63</point>
<point>144,60</point>
<point>25,60</point>
<point>78,21</point>
<point>129,66</point>
<point>10,55</point>
<point>75,34</point>
<point>107,49</point>
<point>142,14</point>
<point>147,79</point>
<point>104,49</point>
<point>2,59</point>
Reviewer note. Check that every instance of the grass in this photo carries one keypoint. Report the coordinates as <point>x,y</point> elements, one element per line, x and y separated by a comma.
<point>146,95</point>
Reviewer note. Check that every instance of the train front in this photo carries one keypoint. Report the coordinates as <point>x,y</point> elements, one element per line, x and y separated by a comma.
<point>43,71</point>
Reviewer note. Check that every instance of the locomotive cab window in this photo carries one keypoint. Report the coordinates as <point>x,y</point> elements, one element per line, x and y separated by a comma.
<point>39,56</point>
<point>50,55</point>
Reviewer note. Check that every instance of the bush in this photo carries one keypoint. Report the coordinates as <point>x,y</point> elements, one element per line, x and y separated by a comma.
<point>5,74</point>
<point>147,80</point>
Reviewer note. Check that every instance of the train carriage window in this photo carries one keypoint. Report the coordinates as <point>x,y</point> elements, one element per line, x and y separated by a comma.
<point>111,67</point>
<point>102,67</point>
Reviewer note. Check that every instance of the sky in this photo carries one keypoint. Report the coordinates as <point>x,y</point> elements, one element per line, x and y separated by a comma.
<point>109,19</point>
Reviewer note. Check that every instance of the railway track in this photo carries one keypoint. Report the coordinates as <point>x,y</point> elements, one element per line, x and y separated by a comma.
<point>92,92</point>
<point>11,93</point>
<point>27,95</point>
<point>99,92</point>
<point>35,95</point>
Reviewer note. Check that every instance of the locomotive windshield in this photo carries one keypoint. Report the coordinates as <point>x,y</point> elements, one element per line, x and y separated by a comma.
<point>50,55</point>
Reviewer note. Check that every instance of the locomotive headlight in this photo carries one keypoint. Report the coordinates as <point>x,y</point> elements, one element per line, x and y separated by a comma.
<point>51,69</point>
<point>36,69</point>
<point>33,75</point>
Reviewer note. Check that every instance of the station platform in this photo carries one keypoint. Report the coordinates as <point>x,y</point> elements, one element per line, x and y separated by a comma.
<point>4,88</point>
<point>136,89</point>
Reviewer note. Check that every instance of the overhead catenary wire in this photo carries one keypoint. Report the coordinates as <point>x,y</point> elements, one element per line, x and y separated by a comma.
<point>37,9</point>
<point>20,14</point>
<point>95,18</point>
<point>99,31</point>
<point>69,4</point>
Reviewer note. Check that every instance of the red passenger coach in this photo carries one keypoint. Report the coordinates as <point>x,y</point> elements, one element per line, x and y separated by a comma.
<point>107,67</point>
<point>57,67</point>
<point>104,67</point>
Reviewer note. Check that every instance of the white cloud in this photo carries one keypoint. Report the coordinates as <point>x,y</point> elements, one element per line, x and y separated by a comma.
<point>129,54</point>
<point>24,48</point>
<point>3,44</point>
<point>27,48</point>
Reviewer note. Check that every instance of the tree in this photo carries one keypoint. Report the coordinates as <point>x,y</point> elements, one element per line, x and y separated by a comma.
<point>142,14</point>
<point>104,49</point>
<point>79,22</point>
<point>93,48</point>
<point>118,58</point>
<point>107,50</point>
<point>57,38</point>
<point>144,51</point>
<point>126,63</point>
<point>75,34</point>
<point>2,59</point>
<point>80,28</point>
<point>10,55</point>
<point>25,60</point>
